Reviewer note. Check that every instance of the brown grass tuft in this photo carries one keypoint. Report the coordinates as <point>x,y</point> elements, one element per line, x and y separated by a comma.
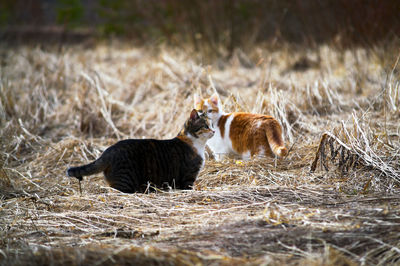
<point>60,108</point>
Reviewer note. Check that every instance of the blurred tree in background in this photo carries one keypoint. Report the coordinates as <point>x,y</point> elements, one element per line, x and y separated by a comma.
<point>69,13</point>
<point>216,24</point>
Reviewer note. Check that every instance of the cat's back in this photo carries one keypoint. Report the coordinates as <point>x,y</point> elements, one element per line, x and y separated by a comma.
<point>138,149</point>
<point>248,118</point>
<point>240,122</point>
<point>248,122</point>
<point>148,146</point>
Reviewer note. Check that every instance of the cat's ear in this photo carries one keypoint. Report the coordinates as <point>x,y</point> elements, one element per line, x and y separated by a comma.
<point>194,115</point>
<point>197,99</point>
<point>214,98</point>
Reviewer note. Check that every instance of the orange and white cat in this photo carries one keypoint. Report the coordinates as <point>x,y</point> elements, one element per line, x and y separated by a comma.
<point>241,134</point>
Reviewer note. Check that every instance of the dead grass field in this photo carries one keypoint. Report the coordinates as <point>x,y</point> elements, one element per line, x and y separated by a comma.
<point>334,200</point>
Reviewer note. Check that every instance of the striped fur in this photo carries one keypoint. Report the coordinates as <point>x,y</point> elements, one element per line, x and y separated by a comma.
<point>241,134</point>
<point>130,165</point>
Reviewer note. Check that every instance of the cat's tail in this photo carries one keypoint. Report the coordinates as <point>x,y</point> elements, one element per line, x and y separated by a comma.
<point>88,169</point>
<point>275,140</point>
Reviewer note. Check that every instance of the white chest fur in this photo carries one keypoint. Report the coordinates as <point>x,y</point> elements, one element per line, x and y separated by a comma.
<point>221,145</point>
<point>200,147</point>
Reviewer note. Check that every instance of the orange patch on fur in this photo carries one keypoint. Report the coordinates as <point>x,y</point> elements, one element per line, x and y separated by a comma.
<point>199,105</point>
<point>256,134</point>
<point>185,138</point>
<point>213,106</point>
<point>221,124</point>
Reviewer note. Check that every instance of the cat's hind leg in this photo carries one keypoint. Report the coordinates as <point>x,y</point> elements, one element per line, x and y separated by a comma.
<point>124,182</point>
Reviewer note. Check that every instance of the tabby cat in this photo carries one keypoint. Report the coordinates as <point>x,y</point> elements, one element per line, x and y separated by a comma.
<point>130,165</point>
<point>241,134</point>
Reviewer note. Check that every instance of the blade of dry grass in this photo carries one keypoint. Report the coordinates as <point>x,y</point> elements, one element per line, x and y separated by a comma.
<point>63,108</point>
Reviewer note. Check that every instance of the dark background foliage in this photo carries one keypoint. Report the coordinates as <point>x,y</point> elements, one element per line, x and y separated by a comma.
<point>227,24</point>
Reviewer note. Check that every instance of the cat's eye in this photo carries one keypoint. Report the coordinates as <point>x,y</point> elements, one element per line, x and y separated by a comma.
<point>210,111</point>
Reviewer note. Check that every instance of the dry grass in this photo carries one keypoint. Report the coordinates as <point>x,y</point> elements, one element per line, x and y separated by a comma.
<point>332,201</point>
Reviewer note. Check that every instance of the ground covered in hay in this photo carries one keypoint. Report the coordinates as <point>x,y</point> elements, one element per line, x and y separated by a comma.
<point>334,200</point>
